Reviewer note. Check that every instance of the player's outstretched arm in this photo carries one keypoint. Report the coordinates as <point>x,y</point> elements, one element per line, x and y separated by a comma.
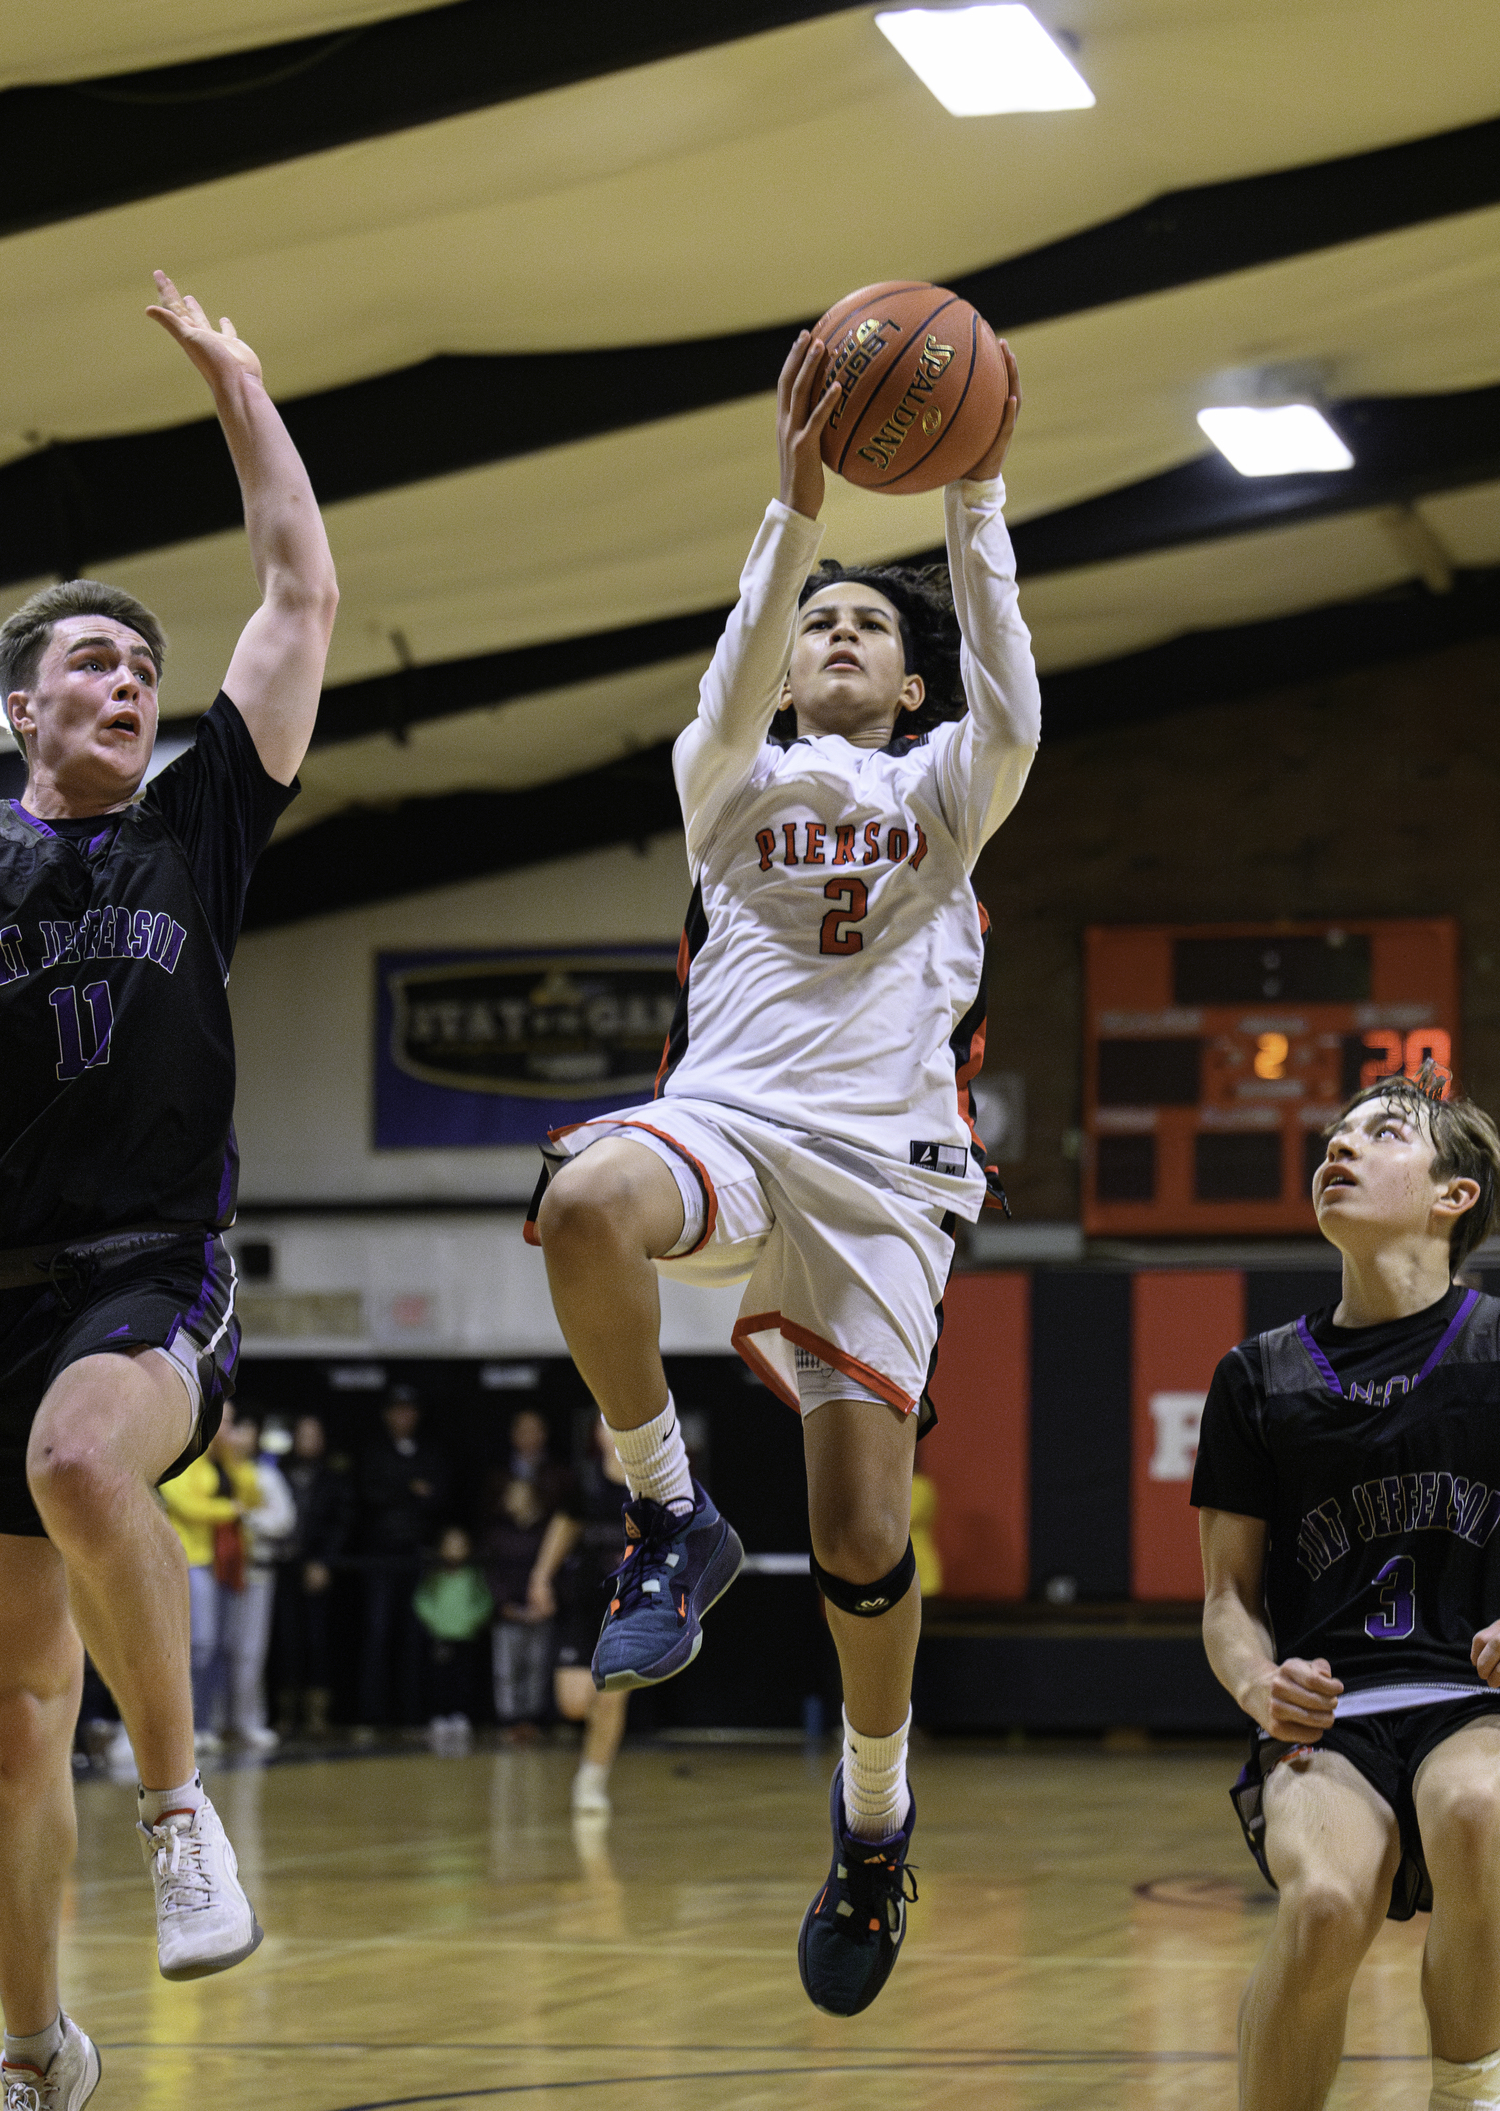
<point>982,772</point>
<point>739,694</point>
<point>1294,1700</point>
<point>276,675</point>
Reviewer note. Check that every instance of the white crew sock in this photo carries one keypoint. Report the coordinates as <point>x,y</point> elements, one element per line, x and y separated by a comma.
<point>655,1461</point>
<point>156,1802</point>
<point>1459,2085</point>
<point>876,1797</point>
<point>39,2050</point>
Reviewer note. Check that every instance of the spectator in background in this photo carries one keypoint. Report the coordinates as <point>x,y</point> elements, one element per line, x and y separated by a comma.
<point>521,1639</point>
<point>205,1503</point>
<point>403,1488</point>
<point>324,1498</point>
<point>580,1551</point>
<point>453,1603</point>
<point>266,1525</point>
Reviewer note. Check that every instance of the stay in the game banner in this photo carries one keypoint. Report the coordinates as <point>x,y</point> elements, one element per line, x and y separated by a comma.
<point>484,1048</point>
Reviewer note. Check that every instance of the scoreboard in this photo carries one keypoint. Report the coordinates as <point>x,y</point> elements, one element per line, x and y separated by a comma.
<point>1216,1054</point>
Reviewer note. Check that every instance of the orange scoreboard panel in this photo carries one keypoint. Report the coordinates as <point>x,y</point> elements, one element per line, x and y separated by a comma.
<point>1216,1054</point>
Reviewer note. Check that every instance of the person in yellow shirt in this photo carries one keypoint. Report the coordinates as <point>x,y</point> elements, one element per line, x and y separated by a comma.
<point>205,1503</point>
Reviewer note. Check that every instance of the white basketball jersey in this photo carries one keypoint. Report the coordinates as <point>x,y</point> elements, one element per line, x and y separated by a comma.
<point>832,962</point>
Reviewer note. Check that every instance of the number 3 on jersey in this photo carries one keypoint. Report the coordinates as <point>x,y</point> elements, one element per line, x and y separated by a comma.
<point>72,1062</point>
<point>1397,1617</point>
<point>853,903</point>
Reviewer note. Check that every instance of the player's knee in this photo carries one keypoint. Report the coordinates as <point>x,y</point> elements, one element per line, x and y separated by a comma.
<point>38,1705</point>
<point>588,1210</point>
<point>1461,1823</point>
<point>75,1486</point>
<point>1330,1923</point>
<point>862,1539</point>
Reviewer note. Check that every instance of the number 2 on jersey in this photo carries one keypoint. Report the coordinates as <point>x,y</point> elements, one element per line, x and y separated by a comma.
<point>72,1062</point>
<point>1397,1617</point>
<point>853,902</point>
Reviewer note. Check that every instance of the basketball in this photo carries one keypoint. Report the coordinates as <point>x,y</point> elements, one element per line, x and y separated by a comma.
<point>922,386</point>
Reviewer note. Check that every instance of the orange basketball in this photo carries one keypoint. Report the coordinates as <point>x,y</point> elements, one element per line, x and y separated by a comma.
<point>922,386</point>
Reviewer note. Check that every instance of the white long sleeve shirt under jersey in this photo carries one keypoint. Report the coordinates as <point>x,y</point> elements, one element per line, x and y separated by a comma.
<point>833,952</point>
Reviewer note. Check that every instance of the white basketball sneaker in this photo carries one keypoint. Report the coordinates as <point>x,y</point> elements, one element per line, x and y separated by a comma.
<point>204,1922</point>
<point>71,2078</point>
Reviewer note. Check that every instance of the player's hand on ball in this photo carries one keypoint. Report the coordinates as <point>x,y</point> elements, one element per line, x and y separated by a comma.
<point>215,353</point>
<point>1484,1654</point>
<point>799,425</point>
<point>1297,1701</point>
<point>988,465</point>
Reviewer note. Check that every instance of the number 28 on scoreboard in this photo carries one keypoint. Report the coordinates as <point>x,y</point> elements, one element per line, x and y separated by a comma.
<point>1216,1055</point>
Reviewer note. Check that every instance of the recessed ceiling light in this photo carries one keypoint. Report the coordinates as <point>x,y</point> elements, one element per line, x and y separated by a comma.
<point>979,61</point>
<point>1284,441</point>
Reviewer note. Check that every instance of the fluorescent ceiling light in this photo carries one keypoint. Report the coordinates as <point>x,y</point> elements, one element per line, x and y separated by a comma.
<point>979,61</point>
<point>1285,441</point>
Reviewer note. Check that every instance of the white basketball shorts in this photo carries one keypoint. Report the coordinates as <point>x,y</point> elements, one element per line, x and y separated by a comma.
<point>841,1264</point>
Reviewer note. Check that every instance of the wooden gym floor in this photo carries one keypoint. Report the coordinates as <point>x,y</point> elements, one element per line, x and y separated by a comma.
<point>440,1933</point>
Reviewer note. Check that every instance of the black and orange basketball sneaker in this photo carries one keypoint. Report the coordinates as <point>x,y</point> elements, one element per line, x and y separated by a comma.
<point>674,1569</point>
<point>853,1930</point>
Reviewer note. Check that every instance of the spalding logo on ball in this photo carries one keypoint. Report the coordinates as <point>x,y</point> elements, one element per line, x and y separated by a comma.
<point>922,386</point>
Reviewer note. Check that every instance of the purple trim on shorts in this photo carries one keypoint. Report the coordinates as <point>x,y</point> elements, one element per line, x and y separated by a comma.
<point>31,820</point>
<point>1450,1334</point>
<point>226,1183</point>
<point>115,1334</point>
<point>1330,1376</point>
<point>177,1322</point>
<point>208,1285</point>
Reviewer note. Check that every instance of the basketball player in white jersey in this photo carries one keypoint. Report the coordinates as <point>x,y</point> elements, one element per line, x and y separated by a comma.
<point>810,1126</point>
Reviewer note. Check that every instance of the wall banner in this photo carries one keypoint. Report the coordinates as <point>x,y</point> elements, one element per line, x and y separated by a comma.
<point>485,1048</point>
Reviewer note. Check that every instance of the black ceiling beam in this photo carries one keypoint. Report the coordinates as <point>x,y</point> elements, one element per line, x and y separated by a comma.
<point>211,118</point>
<point>346,861</point>
<point>390,703</point>
<point>60,509</point>
<point>1249,659</point>
<point>1405,447</point>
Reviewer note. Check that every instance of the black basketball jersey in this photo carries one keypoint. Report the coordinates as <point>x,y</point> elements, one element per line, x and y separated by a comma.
<point>117,1094</point>
<point>1381,1490</point>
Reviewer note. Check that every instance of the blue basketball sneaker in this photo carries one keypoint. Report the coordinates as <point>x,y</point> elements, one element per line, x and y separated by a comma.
<point>853,1930</point>
<point>674,1569</point>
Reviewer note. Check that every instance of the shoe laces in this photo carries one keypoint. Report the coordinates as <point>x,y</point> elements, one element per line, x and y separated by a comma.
<point>177,1864</point>
<point>646,1568</point>
<point>872,1882</point>
<point>28,2090</point>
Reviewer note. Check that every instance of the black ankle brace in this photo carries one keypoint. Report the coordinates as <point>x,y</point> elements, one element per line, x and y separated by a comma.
<point>867,1600</point>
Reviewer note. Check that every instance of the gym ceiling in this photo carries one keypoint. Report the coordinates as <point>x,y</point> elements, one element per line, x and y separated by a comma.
<point>522,278</point>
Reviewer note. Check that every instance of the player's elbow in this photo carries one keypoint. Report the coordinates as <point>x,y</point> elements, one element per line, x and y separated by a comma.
<point>306,594</point>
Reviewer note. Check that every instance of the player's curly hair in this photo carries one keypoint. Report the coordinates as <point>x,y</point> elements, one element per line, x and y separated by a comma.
<point>24,634</point>
<point>922,596</point>
<point>1465,1144</point>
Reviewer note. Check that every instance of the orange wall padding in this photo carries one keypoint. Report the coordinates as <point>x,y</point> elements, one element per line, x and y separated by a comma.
<point>1182,1322</point>
<point>979,1454</point>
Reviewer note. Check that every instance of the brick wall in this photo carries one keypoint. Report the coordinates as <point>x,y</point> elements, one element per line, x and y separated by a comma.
<point>1376,793</point>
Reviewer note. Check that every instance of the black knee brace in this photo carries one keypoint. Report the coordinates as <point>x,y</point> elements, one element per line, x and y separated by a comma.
<point>868,1600</point>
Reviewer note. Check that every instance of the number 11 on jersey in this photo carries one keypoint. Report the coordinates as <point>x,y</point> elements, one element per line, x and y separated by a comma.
<point>72,1062</point>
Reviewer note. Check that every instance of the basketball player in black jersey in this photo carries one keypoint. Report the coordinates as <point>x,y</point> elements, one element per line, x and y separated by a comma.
<point>1348,1481</point>
<point>117,1173</point>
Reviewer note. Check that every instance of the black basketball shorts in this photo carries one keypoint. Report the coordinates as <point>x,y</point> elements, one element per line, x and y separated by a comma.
<point>1387,1750</point>
<point>136,1290</point>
